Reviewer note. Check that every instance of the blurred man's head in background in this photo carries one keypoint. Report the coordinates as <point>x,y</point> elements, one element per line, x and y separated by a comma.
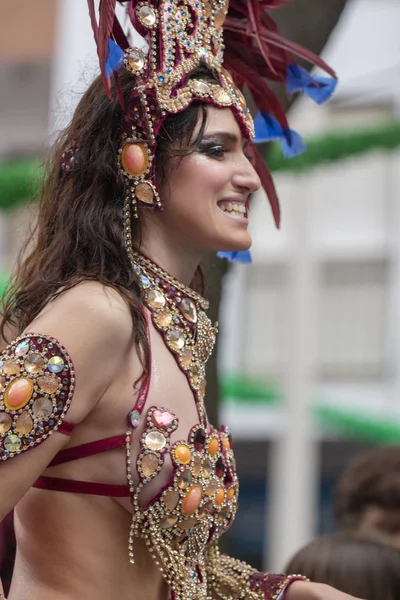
<point>367,498</point>
<point>351,562</point>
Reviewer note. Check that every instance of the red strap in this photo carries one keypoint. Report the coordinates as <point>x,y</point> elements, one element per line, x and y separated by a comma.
<point>66,428</point>
<point>82,487</point>
<point>89,449</point>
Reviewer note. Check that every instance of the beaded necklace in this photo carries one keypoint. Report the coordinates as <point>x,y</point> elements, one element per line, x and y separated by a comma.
<point>178,312</point>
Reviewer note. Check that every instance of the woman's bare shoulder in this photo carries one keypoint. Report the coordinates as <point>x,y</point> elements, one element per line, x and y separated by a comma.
<point>90,305</point>
<point>94,325</point>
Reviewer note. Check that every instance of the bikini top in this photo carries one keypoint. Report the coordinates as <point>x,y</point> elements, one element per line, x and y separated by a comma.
<point>204,471</point>
<point>182,522</point>
<point>199,500</point>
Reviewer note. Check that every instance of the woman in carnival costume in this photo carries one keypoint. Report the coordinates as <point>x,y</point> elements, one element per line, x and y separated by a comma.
<point>121,486</point>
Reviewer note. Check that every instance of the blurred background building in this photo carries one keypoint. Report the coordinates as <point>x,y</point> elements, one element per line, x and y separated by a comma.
<point>310,334</point>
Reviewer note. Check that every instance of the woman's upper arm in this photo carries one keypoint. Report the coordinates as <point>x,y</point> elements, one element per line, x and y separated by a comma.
<point>93,327</point>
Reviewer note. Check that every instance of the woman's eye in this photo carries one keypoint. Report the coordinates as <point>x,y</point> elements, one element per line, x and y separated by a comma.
<point>216,151</point>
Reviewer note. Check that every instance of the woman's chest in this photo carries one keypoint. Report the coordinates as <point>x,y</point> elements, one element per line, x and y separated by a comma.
<point>186,489</point>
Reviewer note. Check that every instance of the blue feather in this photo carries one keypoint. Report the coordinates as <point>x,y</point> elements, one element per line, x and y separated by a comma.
<point>268,129</point>
<point>292,143</point>
<point>243,257</point>
<point>317,88</point>
<point>114,60</point>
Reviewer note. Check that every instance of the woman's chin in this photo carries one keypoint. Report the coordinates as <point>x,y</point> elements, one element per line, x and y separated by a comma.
<point>239,244</point>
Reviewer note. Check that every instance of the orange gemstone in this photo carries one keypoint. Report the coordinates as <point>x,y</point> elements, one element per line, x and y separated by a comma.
<point>230,494</point>
<point>18,393</point>
<point>185,358</point>
<point>11,367</point>
<point>202,389</point>
<point>182,454</point>
<point>211,488</point>
<point>220,496</point>
<point>163,318</point>
<point>200,87</point>
<point>223,515</point>
<point>192,500</point>
<point>219,17</point>
<point>188,523</point>
<point>184,479</point>
<point>24,423</point>
<point>213,446</point>
<point>207,9</point>
<point>226,443</point>
<point>168,521</point>
<point>135,159</point>
<point>207,468</point>
<point>221,96</point>
<point>5,422</point>
<point>195,373</point>
<point>206,509</point>
<point>144,192</point>
<point>197,466</point>
<point>149,464</point>
<point>48,384</point>
<point>171,499</point>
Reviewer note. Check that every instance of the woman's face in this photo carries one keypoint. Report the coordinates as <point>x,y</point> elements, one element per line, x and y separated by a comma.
<point>206,194</point>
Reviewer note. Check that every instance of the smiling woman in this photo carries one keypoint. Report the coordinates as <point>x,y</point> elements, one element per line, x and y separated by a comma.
<point>121,486</point>
<point>207,191</point>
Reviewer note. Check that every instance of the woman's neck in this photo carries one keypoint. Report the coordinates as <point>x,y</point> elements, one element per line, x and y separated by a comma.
<point>170,255</point>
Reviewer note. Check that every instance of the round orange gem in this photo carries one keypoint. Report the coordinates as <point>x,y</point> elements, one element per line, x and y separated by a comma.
<point>135,159</point>
<point>18,393</point>
<point>213,446</point>
<point>11,367</point>
<point>226,443</point>
<point>219,497</point>
<point>192,500</point>
<point>230,494</point>
<point>183,454</point>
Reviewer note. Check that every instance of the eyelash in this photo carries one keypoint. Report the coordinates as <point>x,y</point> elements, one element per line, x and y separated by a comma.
<point>220,151</point>
<point>216,151</point>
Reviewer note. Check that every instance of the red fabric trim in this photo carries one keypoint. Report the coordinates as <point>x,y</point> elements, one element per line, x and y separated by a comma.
<point>89,449</point>
<point>82,487</point>
<point>66,428</point>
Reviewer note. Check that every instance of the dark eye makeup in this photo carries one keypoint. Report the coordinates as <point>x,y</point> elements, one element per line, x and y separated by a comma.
<point>218,145</point>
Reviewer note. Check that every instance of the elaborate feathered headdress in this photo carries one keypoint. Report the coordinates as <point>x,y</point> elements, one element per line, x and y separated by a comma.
<point>237,40</point>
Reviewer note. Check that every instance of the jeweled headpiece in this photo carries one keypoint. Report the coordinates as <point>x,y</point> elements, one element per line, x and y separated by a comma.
<point>237,41</point>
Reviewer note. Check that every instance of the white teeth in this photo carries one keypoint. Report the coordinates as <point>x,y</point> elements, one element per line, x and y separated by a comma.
<point>234,208</point>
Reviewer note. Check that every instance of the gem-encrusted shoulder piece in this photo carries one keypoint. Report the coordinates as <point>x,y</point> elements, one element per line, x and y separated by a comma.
<point>178,312</point>
<point>37,382</point>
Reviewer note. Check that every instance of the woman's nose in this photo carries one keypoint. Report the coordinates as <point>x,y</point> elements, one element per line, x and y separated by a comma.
<point>245,175</point>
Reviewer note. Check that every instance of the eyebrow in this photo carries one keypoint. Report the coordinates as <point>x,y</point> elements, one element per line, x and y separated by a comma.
<point>226,136</point>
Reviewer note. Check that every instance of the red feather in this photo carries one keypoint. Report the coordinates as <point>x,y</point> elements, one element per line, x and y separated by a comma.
<point>255,53</point>
<point>268,184</point>
<point>106,22</point>
<point>93,20</point>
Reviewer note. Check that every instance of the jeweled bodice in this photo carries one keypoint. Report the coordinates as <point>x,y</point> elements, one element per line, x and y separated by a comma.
<point>198,503</point>
<point>178,313</point>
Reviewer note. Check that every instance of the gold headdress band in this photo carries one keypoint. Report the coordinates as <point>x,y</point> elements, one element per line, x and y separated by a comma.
<point>241,47</point>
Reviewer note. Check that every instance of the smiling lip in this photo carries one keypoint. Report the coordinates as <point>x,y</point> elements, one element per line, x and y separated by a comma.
<point>235,207</point>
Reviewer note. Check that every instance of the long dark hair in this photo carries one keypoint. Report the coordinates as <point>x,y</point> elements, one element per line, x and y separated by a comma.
<point>354,564</point>
<point>78,235</point>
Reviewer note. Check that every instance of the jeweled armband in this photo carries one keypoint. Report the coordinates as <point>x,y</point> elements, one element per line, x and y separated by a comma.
<point>36,386</point>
